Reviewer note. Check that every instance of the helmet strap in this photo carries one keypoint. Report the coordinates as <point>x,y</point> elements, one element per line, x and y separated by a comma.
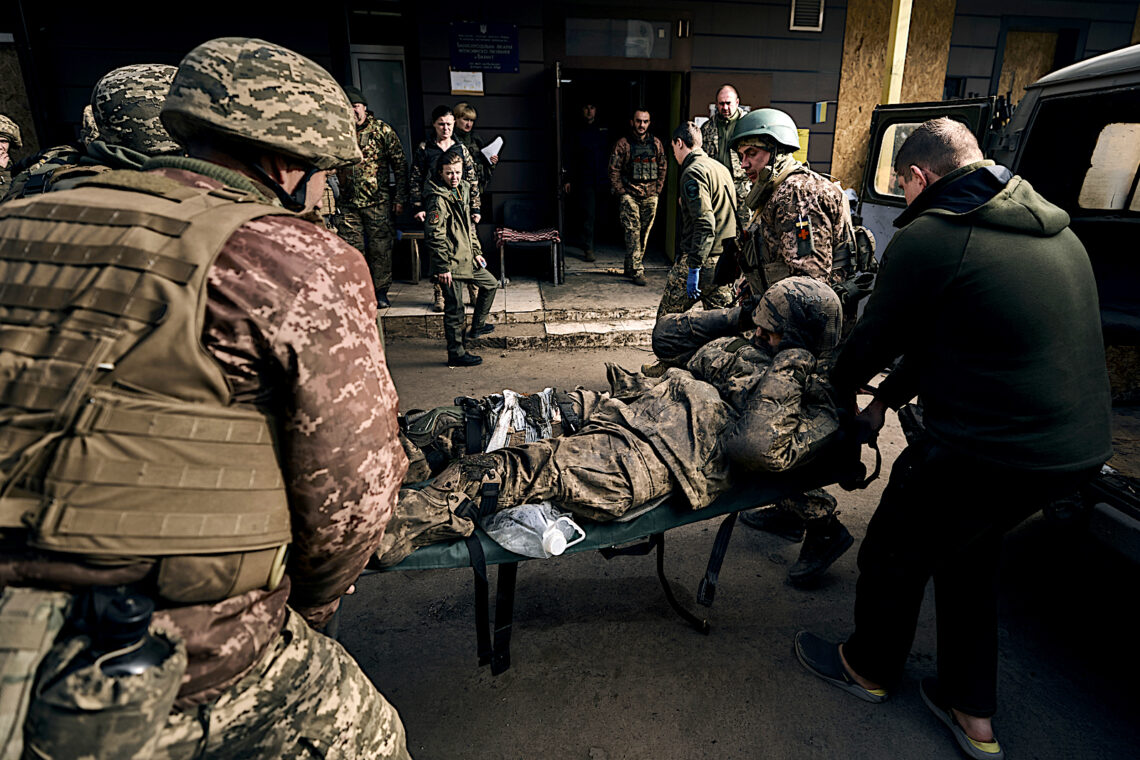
<point>294,201</point>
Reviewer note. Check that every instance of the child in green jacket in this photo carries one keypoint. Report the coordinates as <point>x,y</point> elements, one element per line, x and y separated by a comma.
<point>456,259</point>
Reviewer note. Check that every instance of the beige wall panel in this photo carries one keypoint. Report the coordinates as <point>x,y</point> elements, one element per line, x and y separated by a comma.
<point>860,85</point>
<point>928,50</point>
<point>1028,57</point>
<point>864,68</point>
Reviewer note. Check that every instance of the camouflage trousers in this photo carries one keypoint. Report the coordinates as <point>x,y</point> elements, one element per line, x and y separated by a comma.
<point>636,216</point>
<point>305,698</point>
<point>374,227</point>
<point>675,299</point>
<point>810,505</point>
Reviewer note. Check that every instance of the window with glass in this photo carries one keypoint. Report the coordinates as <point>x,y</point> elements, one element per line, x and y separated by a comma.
<point>618,38</point>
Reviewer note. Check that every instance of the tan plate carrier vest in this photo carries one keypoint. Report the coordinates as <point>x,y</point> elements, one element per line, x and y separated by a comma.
<point>119,440</point>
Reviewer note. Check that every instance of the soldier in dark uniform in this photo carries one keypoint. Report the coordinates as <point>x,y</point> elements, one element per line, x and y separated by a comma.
<point>587,174</point>
<point>368,204</point>
<point>798,219</point>
<point>637,176</point>
<point>223,427</point>
<point>465,116</point>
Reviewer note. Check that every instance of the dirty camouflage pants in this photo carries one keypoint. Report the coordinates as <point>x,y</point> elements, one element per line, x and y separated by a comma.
<point>810,505</point>
<point>675,299</point>
<point>371,226</point>
<point>636,216</point>
<point>305,698</point>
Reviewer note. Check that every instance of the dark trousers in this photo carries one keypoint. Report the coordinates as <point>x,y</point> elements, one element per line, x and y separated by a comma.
<point>586,212</point>
<point>942,516</point>
<point>453,313</point>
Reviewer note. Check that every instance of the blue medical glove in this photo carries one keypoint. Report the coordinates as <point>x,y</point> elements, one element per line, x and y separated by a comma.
<point>691,289</point>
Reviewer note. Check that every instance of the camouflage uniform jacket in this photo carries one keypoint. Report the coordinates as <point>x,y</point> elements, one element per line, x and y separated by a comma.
<point>712,144</point>
<point>708,207</point>
<point>483,167</point>
<point>621,165</point>
<point>804,220</point>
<point>424,165</point>
<point>449,234</point>
<point>50,160</point>
<point>366,183</point>
<point>784,403</point>
<point>290,318</point>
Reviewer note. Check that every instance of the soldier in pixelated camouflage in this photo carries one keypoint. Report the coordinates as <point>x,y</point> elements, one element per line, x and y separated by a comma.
<point>799,218</point>
<point>237,459</point>
<point>124,129</point>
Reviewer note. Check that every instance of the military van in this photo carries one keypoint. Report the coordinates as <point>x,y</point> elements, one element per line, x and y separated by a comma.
<point>1075,136</point>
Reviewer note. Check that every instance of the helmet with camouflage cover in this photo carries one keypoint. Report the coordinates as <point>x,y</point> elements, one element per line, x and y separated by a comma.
<point>253,93</point>
<point>9,131</point>
<point>126,104</point>
<point>766,127</point>
<point>805,312</point>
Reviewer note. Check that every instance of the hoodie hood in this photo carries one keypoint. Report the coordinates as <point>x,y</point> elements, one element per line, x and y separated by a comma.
<point>987,195</point>
<point>435,187</point>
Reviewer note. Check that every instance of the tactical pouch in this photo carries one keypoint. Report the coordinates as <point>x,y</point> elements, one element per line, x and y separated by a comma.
<point>29,622</point>
<point>83,712</point>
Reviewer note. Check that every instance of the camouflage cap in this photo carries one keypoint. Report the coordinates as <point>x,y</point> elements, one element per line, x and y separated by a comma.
<point>10,131</point>
<point>251,92</point>
<point>804,311</point>
<point>89,132</point>
<point>126,104</point>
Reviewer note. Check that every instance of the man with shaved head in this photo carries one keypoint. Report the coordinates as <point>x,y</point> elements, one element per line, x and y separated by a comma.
<point>716,137</point>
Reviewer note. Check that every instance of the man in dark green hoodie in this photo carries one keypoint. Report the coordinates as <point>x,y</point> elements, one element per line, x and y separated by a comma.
<point>989,298</point>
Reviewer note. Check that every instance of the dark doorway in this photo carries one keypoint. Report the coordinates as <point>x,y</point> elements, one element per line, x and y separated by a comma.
<point>616,94</point>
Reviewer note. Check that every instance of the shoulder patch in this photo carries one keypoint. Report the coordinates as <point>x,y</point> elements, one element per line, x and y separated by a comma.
<point>433,217</point>
<point>692,189</point>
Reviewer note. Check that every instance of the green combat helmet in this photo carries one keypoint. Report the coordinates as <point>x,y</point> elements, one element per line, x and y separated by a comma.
<point>126,104</point>
<point>9,131</point>
<point>252,93</point>
<point>766,126</point>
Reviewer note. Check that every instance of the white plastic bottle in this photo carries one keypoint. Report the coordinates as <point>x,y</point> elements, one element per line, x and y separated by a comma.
<point>534,530</point>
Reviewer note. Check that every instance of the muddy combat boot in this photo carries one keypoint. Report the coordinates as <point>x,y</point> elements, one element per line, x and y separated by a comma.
<point>437,302</point>
<point>825,540</point>
<point>775,520</point>
<point>656,369</point>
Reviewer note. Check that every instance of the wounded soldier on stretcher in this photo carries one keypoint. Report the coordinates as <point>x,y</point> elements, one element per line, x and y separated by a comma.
<point>729,408</point>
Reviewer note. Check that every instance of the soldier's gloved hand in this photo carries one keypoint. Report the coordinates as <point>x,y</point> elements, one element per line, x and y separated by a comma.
<point>691,289</point>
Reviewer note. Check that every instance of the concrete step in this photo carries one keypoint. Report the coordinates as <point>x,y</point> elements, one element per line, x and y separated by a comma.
<point>569,334</point>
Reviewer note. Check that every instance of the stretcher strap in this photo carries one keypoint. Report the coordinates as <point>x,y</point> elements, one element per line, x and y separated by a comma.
<point>473,416</point>
<point>706,590</point>
<point>657,541</point>
<point>489,653</point>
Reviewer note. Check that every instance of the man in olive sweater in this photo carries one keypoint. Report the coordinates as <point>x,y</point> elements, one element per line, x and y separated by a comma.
<point>989,298</point>
<point>455,256</point>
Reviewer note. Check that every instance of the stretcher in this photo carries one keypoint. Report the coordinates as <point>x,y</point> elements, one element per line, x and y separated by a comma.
<point>641,534</point>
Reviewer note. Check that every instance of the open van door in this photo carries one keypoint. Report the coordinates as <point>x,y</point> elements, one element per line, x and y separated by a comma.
<point>881,197</point>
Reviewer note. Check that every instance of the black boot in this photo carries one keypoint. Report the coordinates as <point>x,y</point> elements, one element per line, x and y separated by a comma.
<point>772,519</point>
<point>382,301</point>
<point>825,541</point>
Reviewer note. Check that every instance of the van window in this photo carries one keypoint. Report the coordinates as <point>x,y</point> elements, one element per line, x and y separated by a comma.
<point>1111,177</point>
<point>1080,151</point>
<point>885,181</point>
